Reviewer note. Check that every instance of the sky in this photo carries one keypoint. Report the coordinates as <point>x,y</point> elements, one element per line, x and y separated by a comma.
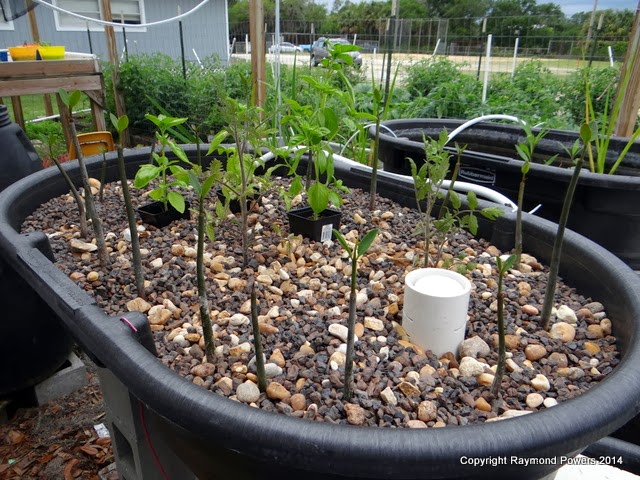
<point>569,7</point>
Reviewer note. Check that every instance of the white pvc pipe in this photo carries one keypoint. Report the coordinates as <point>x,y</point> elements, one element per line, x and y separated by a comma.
<point>487,68</point>
<point>610,55</point>
<point>435,50</point>
<point>436,304</point>
<point>515,57</point>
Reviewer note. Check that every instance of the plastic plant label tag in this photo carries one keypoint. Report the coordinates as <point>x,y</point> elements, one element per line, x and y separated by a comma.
<point>326,232</point>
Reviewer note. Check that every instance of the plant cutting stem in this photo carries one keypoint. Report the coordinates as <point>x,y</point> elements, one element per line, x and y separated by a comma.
<point>103,255</point>
<point>257,343</point>
<point>84,231</point>
<point>351,321</point>
<point>374,167</point>
<point>518,234</point>
<point>133,227</point>
<point>207,329</point>
<point>554,266</point>
<point>497,380</point>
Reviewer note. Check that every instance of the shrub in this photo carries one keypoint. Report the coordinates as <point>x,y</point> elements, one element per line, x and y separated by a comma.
<point>602,82</point>
<point>148,78</point>
<point>426,75</point>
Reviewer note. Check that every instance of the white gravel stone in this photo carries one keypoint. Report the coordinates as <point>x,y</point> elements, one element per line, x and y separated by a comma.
<point>550,402</point>
<point>566,314</point>
<point>540,383</point>
<point>389,397</point>
<point>470,367</point>
<point>474,347</point>
<point>248,392</point>
<point>272,370</point>
<point>156,263</point>
<point>238,319</point>
<point>339,331</point>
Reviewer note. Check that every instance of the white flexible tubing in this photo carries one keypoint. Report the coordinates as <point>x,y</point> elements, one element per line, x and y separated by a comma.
<point>495,116</point>
<point>358,133</point>
<point>464,187</point>
<point>114,24</point>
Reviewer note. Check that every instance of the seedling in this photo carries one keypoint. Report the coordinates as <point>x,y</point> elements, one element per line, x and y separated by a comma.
<point>164,167</point>
<point>428,181</point>
<point>525,150</point>
<point>503,267</point>
<point>355,253</point>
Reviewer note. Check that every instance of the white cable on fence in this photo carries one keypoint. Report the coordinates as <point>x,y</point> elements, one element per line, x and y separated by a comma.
<point>114,24</point>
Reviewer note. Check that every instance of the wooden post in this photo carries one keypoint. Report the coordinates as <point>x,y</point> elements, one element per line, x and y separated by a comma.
<point>112,48</point>
<point>628,115</point>
<point>35,35</point>
<point>256,34</point>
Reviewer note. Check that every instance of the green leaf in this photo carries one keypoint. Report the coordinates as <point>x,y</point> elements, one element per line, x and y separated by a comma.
<point>217,140</point>
<point>178,151</point>
<point>318,197</point>
<point>145,174</point>
<point>157,193</point>
<point>472,224</point>
<point>472,200</point>
<point>491,212</point>
<point>194,181</point>
<point>505,265</point>
<point>177,201</point>
<point>342,241</point>
<point>74,99</point>
<point>366,242</point>
<point>523,151</point>
<point>455,200</point>
<point>586,132</point>
<point>64,96</point>
<point>120,124</point>
<point>210,232</point>
<point>207,184</point>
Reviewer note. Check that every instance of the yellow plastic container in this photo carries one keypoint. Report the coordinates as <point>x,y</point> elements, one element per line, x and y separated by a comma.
<point>51,53</point>
<point>23,52</point>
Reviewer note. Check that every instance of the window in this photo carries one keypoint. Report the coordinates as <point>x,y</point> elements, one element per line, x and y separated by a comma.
<point>129,11</point>
<point>5,12</point>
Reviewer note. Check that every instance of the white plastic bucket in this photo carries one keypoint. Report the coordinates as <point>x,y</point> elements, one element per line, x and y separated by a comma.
<point>436,303</point>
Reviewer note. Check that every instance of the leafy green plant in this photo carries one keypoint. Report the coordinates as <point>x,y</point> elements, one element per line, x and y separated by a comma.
<point>71,100</point>
<point>164,167</point>
<point>604,125</point>
<point>314,127</point>
<point>428,181</point>
<point>121,124</point>
<point>355,253</point>
<point>248,130</point>
<point>503,267</point>
<point>202,183</point>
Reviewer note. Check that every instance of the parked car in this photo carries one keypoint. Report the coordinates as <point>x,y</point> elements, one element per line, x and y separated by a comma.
<point>319,50</point>
<point>284,47</point>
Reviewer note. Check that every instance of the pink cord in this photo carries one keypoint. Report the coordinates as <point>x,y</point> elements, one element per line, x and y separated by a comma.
<point>126,320</point>
<point>148,439</point>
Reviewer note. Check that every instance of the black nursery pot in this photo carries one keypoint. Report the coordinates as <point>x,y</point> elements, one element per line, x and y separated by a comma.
<point>155,214</point>
<point>606,208</point>
<point>301,222</point>
<point>220,438</point>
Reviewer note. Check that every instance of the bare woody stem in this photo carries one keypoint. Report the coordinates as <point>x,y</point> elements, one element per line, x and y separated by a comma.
<point>257,342</point>
<point>348,366</point>
<point>497,380</point>
<point>103,255</point>
<point>133,227</point>
<point>84,231</point>
<point>207,328</point>
<point>374,167</point>
<point>518,235</point>
<point>554,266</point>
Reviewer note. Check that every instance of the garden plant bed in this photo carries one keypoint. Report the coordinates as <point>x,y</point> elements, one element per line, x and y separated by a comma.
<point>302,291</point>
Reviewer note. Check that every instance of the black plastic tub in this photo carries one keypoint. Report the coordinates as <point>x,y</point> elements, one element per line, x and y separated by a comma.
<point>215,435</point>
<point>606,208</point>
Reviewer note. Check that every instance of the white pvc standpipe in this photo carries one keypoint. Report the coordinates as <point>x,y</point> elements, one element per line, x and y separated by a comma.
<point>487,69</point>
<point>436,303</point>
<point>515,57</point>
